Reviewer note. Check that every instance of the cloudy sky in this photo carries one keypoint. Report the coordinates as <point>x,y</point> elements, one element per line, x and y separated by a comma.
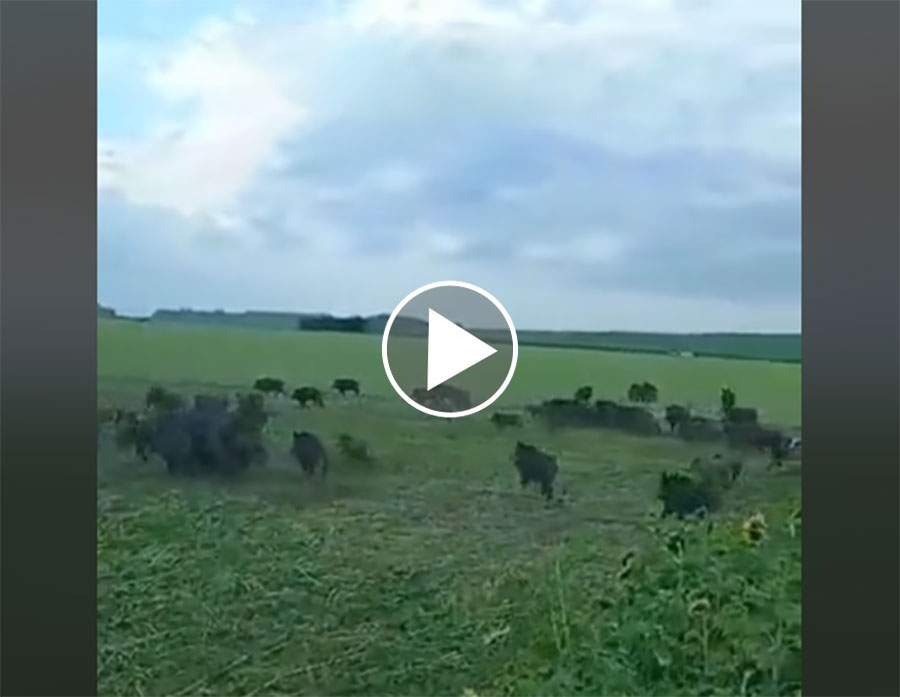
<point>595,164</point>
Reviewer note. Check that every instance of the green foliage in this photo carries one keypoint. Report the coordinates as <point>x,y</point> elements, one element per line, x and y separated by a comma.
<point>699,611</point>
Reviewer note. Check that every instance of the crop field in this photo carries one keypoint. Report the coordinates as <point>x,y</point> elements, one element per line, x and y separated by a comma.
<point>233,358</point>
<point>430,571</point>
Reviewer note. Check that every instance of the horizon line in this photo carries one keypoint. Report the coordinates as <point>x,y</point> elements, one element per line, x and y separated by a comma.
<point>301,313</point>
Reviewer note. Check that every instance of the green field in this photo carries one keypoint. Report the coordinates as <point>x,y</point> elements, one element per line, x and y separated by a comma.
<point>431,571</point>
<point>235,357</point>
<point>771,347</point>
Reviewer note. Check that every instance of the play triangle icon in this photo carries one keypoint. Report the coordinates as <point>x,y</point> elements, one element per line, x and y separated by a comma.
<point>451,349</point>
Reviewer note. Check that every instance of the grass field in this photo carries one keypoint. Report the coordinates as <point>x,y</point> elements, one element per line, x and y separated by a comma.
<point>773,347</point>
<point>235,357</point>
<point>431,571</point>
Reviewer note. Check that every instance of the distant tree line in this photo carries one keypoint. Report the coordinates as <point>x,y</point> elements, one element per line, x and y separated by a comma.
<point>768,347</point>
<point>328,323</point>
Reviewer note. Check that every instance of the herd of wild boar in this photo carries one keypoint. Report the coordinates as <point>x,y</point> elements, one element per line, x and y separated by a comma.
<point>217,435</point>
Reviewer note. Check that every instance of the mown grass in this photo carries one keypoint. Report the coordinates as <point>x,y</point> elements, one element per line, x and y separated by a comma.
<point>429,571</point>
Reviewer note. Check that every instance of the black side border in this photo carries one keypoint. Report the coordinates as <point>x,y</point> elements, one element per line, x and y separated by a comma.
<point>48,345</point>
<point>851,249</point>
<point>851,347</point>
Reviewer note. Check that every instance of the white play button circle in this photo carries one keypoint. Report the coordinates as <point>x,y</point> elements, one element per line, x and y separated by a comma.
<point>449,349</point>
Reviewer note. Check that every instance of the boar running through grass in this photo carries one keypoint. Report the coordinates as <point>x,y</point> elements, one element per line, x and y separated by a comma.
<point>251,411</point>
<point>205,439</point>
<point>345,385</point>
<point>717,471</point>
<point>210,438</point>
<point>700,489</point>
<point>506,420</point>
<point>683,495</point>
<point>162,400</point>
<point>700,429</point>
<point>308,450</point>
<point>636,420</point>
<point>535,467</point>
<point>305,395</point>
<point>207,401</point>
<point>268,385</point>
<point>566,413</point>
<point>133,430</point>
<point>443,398</point>
<point>583,394</point>
<point>676,415</point>
<point>742,415</point>
<point>354,448</point>
<point>761,438</point>
<point>643,392</point>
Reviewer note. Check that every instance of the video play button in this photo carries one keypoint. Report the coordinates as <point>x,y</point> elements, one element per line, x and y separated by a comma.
<point>449,349</point>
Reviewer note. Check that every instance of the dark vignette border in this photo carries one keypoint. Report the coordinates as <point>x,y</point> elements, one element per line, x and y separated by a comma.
<point>48,129</point>
<point>850,361</point>
<point>851,352</point>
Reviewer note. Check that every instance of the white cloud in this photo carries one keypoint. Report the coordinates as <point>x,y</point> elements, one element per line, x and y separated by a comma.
<point>432,243</point>
<point>396,178</point>
<point>455,138</point>
<point>631,74</point>
<point>238,112</point>
<point>427,15</point>
<point>596,248</point>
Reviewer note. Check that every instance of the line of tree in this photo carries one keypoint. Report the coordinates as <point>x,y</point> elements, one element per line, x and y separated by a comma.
<point>106,312</point>
<point>328,323</point>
